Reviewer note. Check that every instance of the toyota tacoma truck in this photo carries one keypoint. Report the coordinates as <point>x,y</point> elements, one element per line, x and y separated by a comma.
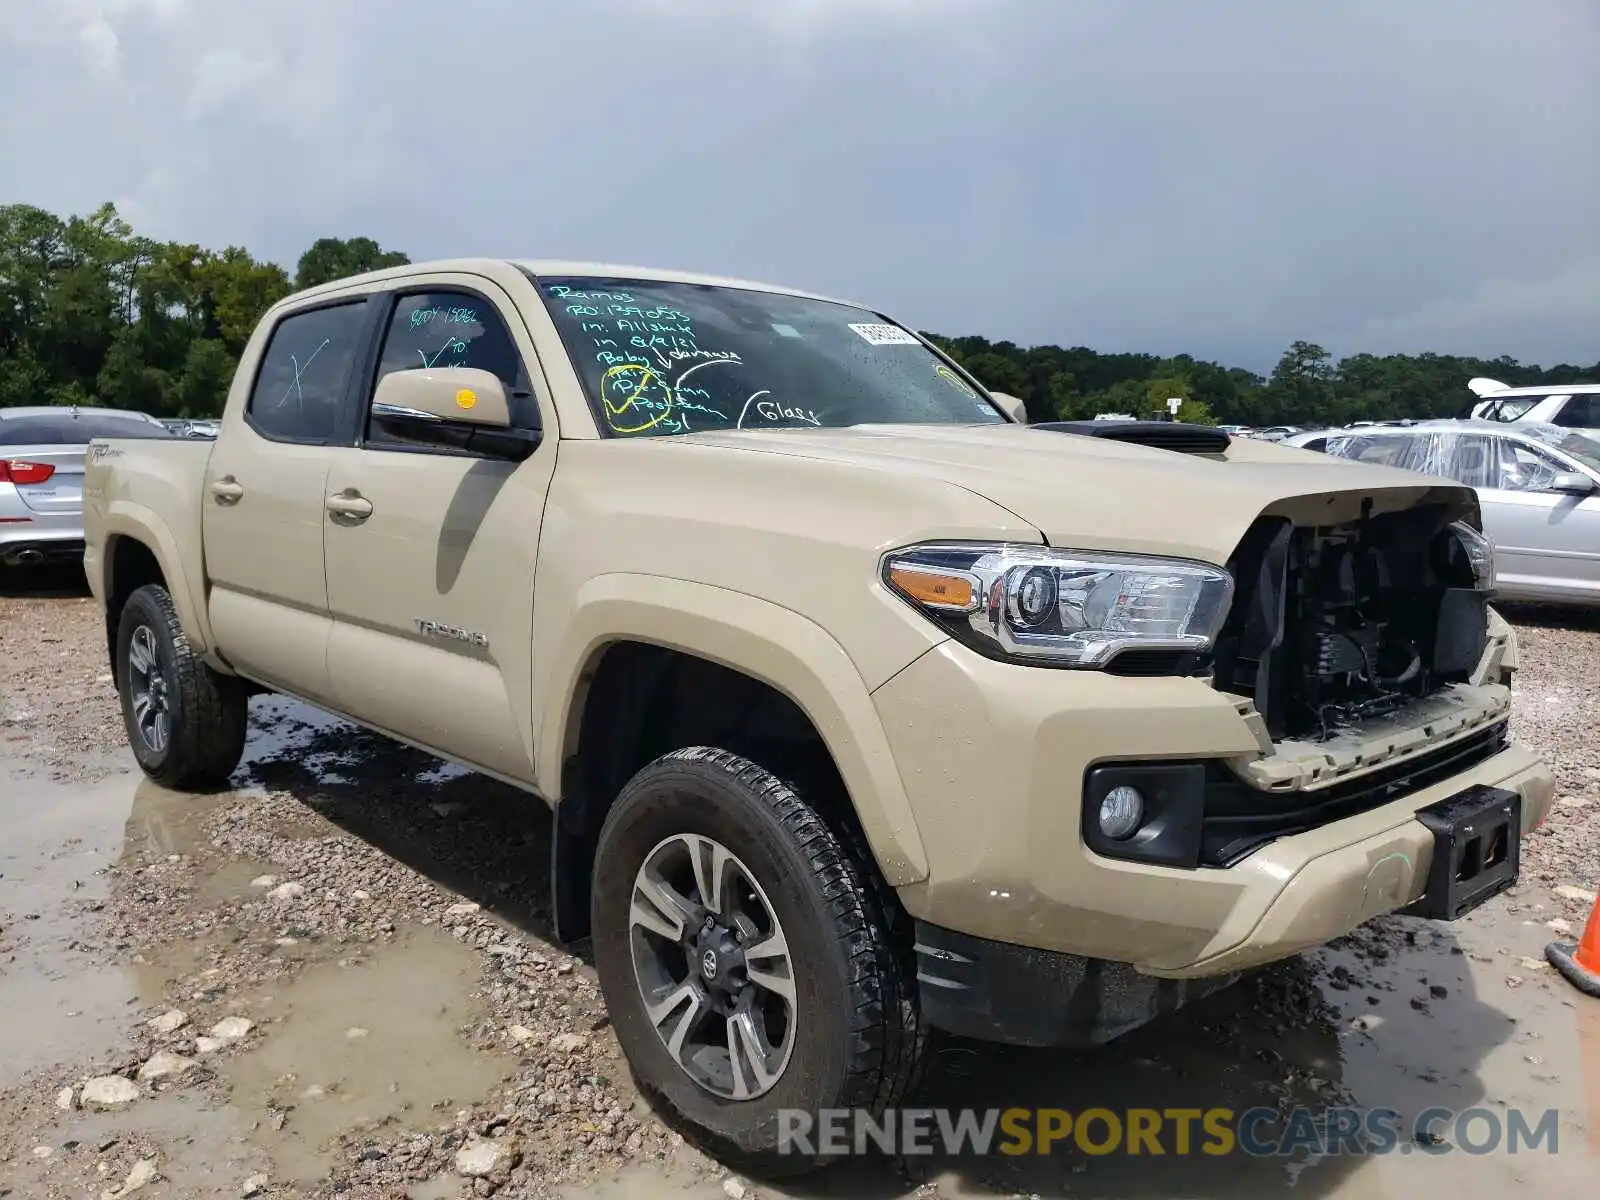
<point>864,708</point>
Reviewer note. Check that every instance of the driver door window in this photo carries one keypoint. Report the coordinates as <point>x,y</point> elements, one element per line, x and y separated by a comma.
<point>450,329</point>
<point>1525,469</point>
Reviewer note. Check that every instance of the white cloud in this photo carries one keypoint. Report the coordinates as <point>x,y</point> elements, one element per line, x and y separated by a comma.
<point>225,74</point>
<point>100,46</point>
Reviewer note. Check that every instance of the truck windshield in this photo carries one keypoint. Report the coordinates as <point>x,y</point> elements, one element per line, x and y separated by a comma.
<point>670,358</point>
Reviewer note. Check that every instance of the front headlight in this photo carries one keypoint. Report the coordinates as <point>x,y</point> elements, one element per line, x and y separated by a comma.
<point>1062,607</point>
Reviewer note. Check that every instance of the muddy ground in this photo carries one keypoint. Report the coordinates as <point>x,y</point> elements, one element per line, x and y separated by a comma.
<point>336,977</point>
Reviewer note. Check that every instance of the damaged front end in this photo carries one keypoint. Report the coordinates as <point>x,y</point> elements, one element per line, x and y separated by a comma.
<point>1365,655</point>
<point>1335,625</point>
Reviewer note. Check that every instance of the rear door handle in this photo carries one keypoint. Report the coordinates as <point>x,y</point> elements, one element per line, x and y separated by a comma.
<point>227,490</point>
<point>350,504</point>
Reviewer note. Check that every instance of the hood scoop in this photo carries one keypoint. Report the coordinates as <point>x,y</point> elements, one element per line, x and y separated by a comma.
<point>1161,435</point>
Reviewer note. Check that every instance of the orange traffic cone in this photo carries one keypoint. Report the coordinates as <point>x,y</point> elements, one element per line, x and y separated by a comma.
<point>1580,965</point>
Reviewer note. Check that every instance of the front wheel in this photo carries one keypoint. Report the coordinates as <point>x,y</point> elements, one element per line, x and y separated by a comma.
<point>186,722</point>
<point>747,962</point>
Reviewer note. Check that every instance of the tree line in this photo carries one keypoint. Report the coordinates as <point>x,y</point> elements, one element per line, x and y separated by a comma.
<point>93,313</point>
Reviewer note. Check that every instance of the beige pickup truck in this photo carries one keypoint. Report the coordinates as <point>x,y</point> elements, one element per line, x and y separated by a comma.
<point>863,707</point>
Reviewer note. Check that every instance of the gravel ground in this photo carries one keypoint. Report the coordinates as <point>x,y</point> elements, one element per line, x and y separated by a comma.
<point>349,877</point>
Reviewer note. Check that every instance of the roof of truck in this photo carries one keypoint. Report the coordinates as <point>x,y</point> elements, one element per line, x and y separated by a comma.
<point>558,267</point>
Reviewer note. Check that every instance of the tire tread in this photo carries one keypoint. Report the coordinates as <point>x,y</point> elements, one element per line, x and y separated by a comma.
<point>889,1035</point>
<point>208,744</point>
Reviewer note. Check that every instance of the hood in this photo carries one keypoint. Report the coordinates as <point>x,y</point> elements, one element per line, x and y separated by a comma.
<point>1098,494</point>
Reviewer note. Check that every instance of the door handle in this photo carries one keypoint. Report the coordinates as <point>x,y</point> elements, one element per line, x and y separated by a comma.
<point>227,490</point>
<point>350,504</point>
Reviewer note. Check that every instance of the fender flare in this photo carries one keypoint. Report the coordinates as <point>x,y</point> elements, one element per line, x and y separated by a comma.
<point>124,519</point>
<point>755,637</point>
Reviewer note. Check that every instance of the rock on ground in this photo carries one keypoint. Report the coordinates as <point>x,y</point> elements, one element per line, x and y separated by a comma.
<point>163,1064</point>
<point>478,1159</point>
<point>108,1091</point>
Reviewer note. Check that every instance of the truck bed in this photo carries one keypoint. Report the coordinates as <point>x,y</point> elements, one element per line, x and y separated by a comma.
<point>141,485</point>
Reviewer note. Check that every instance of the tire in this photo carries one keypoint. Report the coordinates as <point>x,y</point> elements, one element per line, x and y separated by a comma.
<point>855,1037</point>
<point>206,712</point>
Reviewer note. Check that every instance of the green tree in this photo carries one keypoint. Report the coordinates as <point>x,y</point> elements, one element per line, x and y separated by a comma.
<point>1302,384</point>
<point>93,312</point>
<point>338,258</point>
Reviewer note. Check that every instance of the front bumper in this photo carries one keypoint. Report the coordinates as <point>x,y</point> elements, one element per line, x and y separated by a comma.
<point>994,757</point>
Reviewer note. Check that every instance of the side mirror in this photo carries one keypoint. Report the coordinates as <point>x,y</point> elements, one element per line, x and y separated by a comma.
<point>463,408</point>
<point>1574,483</point>
<point>1012,405</point>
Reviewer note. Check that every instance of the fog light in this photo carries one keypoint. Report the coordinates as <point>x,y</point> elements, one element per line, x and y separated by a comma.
<point>1121,812</point>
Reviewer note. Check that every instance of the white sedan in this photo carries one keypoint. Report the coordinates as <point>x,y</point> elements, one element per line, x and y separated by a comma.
<point>1538,486</point>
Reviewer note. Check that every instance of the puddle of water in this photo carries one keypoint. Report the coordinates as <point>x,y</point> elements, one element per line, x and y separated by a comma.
<point>645,1182</point>
<point>409,1066</point>
<point>204,1150</point>
<point>1484,1045</point>
<point>59,1003</point>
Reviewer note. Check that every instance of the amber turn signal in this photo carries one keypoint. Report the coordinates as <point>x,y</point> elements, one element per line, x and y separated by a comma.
<point>936,589</point>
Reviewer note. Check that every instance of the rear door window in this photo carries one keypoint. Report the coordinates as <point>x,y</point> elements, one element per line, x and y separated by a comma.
<point>300,388</point>
<point>1384,450</point>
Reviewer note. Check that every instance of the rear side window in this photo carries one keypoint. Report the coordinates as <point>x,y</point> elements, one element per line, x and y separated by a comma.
<point>69,430</point>
<point>1510,410</point>
<point>300,389</point>
<point>1387,450</point>
<point>1579,412</point>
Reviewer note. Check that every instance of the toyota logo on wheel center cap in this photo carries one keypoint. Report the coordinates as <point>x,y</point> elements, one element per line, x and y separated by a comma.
<point>708,964</point>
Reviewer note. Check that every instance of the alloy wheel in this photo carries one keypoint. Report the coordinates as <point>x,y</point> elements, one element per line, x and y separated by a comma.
<point>148,690</point>
<point>713,966</point>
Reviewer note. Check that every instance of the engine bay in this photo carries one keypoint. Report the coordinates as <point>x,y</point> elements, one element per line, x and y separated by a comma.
<point>1335,625</point>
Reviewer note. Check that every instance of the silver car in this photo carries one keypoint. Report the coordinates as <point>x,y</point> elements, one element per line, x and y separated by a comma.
<point>1538,486</point>
<point>41,477</point>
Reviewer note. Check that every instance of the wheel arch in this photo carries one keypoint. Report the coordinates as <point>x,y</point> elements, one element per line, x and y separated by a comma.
<point>139,548</point>
<point>638,647</point>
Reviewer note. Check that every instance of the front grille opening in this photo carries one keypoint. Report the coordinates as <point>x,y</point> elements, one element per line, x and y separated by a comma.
<point>1334,625</point>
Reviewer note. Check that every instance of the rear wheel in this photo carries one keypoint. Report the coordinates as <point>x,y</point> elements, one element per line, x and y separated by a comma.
<point>185,721</point>
<point>747,961</point>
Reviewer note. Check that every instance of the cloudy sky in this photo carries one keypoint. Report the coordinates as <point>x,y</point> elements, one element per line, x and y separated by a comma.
<point>1217,177</point>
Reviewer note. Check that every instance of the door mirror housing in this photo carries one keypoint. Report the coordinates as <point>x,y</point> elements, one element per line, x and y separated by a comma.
<point>1012,405</point>
<point>461,408</point>
<point>1573,483</point>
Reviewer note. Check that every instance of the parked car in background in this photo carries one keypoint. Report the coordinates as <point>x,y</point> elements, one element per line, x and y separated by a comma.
<point>1538,486</point>
<point>1310,439</point>
<point>1275,433</point>
<point>1570,406</point>
<point>185,428</point>
<point>41,476</point>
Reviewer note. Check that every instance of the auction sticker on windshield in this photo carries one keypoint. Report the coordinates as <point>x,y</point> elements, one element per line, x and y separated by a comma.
<point>885,335</point>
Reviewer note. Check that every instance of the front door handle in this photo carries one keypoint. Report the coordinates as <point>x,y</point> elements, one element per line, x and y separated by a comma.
<point>227,490</point>
<point>350,504</point>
